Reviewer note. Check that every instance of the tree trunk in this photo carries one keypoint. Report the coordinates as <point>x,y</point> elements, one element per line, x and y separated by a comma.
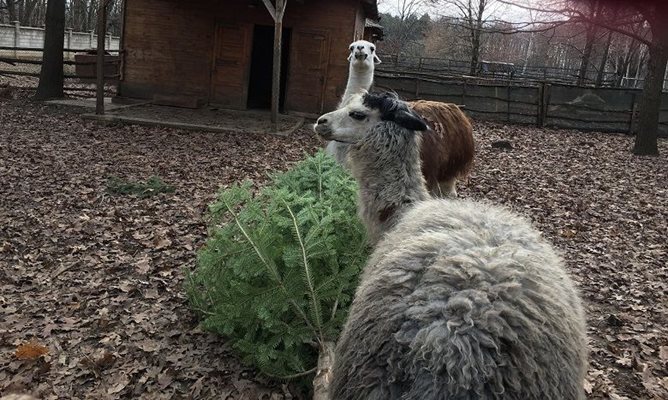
<point>586,55</point>
<point>51,76</point>
<point>475,54</point>
<point>11,11</point>
<point>604,61</point>
<point>99,74</point>
<point>650,102</point>
<point>594,10</point>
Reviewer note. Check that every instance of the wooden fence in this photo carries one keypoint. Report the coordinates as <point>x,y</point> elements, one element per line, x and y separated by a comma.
<point>542,104</point>
<point>530,73</point>
<point>78,65</point>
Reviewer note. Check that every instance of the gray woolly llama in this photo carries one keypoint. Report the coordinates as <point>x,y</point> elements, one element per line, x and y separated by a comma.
<point>460,299</point>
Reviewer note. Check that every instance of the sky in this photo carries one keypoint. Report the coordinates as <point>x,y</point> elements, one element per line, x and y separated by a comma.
<point>499,10</point>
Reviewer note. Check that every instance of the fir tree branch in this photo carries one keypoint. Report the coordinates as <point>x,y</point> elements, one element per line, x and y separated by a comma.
<point>309,280</point>
<point>336,302</point>
<point>294,376</point>
<point>273,271</point>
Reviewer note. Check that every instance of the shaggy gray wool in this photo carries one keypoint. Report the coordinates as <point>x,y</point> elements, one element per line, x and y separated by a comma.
<point>460,299</point>
<point>388,183</point>
<point>463,300</point>
<point>339,151</point>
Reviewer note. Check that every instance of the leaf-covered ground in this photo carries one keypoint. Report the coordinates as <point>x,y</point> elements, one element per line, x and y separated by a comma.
<point>91,298</point>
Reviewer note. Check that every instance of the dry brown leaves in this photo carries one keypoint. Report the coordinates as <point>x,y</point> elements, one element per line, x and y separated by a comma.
<point>97,279</point>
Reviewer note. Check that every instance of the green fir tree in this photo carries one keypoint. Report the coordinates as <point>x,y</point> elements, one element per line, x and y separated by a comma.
<point>280,268</point>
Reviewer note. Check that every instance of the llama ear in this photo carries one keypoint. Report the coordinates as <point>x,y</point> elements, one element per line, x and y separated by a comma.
<point>376,59</point>
<point>350,57</point>
<point>410,121</point>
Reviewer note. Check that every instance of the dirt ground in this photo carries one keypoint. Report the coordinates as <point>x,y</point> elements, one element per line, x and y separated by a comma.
<point>97,278</point>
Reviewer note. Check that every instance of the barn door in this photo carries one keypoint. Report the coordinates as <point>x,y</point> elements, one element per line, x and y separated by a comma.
<point>231,60</point>
<point>308,71</point>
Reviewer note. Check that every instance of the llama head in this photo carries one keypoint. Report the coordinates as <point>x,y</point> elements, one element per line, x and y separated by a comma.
<point>363,54</point>
<point>354,121</point>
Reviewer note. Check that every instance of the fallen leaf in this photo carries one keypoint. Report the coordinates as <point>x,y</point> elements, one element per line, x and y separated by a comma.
<point>30,351</point>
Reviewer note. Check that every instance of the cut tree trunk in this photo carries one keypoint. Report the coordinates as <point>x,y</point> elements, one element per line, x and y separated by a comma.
<point>51,77</point>
<point>323,376</point>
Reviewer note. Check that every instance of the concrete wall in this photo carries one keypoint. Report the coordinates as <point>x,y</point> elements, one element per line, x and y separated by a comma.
<point>25,36</point>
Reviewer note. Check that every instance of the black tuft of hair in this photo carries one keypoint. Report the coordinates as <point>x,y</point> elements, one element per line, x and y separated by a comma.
<point>391,108</point>
<point>387,103</point>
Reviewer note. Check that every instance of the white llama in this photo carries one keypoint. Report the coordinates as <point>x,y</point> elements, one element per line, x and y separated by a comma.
<point>460,299</point>
<point>362,63</point>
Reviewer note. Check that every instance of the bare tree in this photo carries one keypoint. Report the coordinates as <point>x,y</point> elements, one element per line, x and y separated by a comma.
<point>405,26</point>
<point>473,16</point>
<point>653,13</point>
<point>51,76</point>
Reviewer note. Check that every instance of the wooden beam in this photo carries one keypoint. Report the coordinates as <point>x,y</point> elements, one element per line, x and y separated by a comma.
<point>276,80</point>
<point>270,8</point>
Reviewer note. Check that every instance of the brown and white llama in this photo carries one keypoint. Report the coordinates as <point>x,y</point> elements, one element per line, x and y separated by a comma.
<point>447,149</point>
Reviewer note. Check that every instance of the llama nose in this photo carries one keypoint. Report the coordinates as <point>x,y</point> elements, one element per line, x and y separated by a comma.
<point>360,47</point>
<point>322,121</point>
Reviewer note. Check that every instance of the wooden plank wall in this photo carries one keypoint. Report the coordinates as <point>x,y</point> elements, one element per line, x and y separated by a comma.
<point>169,44</point>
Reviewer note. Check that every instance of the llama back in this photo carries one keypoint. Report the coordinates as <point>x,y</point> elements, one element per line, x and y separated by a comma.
<point>448,148</point>
<point>462,300</point>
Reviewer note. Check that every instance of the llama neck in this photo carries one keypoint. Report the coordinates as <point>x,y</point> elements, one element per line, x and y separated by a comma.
<point>387,168</point>
<point>360,79</point>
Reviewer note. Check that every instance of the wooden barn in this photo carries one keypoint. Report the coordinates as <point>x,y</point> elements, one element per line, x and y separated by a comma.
<point>220,51</point>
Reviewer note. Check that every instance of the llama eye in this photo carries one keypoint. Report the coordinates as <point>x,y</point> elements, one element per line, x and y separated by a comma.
<point>373,49</point>
<point>352,48</point>
<point>360,116</point>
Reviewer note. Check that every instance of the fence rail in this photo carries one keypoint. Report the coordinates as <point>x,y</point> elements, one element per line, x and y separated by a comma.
<point>79,71</point>
<point>540,103</point>
<point>447,67</point>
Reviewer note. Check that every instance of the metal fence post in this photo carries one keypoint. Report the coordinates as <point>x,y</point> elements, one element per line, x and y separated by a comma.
<point>91,39</point>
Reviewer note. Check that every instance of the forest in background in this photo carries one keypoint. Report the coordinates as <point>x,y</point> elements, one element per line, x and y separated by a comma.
<point>80,15</point>
<point>476,30</point>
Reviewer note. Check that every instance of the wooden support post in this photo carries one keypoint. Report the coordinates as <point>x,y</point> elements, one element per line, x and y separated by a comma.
<point>276,79</point>
<point>508,102</point>
<point>634,110</point>
<point>540,116</point>
<point>545,102</point>
<point>101,33</point>
<point>277,14</point>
